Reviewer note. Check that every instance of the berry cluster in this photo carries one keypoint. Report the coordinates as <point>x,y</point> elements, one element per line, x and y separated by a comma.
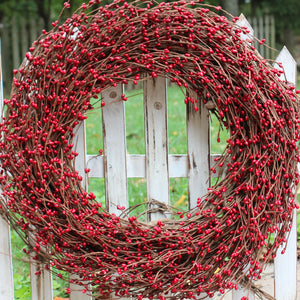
<point>209,247</point>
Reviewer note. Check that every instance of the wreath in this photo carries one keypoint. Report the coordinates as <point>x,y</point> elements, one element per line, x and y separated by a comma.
<point>207,250</point>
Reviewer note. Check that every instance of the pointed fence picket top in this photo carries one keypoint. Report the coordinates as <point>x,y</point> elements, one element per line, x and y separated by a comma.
<point>6,278</point>
<point>286,264</point>
<point>243,22</point>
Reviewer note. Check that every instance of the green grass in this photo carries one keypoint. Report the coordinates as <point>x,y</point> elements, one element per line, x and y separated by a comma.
<point>136,186</point>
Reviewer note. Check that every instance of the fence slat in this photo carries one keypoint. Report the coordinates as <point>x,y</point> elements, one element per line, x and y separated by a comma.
<point>114,142</point>
<point>178,166</point>
<point>243,22</point>
<point>41,280</point>
<point>156,142</point>
<point>198,147</point>
<point>80,165</point>
<point>6,278</point>
<point>286,264</point>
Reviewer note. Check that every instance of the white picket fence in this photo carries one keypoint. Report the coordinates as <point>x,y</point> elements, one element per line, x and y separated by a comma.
<point>157,166</point>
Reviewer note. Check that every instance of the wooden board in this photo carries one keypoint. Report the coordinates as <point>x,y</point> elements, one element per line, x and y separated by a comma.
<point>41,280</point>
<point>178,166</point>
<point>6,273</point>
<point>114,142</point>
<point>243,22</point>
<point>156,143</point>
<point>198,140</point>
<point>285,265</point>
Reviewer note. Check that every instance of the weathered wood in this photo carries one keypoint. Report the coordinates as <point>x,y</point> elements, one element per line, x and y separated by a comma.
<point>198,141</point>
<point>77,290</point>
<point>242,292</point>
<point>178,166</point>
<point>156,142</point>
<point>79,142</point>
<point>285,265</point>
<point>114,142</point>
<point>80,165</point>
<point>41,280</point>
<point>114,159</point>
<point>6,274</point>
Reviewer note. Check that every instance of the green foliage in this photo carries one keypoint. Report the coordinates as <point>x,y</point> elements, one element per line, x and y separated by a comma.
<point>21,286</point>
<point>286,12</point>
<point>9,7</point>
<point>21,272</point>
<point>21,282</point>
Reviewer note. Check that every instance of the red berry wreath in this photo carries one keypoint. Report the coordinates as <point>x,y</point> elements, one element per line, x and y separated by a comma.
<point>209,249</point>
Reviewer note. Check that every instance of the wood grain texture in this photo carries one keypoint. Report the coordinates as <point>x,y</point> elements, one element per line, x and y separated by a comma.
<point>178,165</point>
<point>41,280</point>
<point>285,264</point>
<point>156,142</point>
<point>114,141</point>
<point>198,147</point>
<point>6,272</point>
